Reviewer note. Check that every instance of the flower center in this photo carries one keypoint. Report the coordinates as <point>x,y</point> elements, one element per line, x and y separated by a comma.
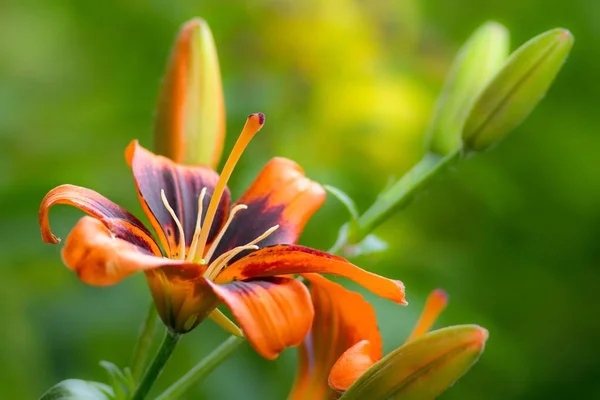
<point>198,252</point>
<point>193,255</point>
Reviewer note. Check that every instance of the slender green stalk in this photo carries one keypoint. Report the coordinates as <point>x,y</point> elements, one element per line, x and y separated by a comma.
<point>140,352</point>
<point>401,193</point>
<point>202,369</point>
<point>160,359</point>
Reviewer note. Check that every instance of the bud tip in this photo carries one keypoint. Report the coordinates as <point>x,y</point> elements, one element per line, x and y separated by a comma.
<point>481,336</point>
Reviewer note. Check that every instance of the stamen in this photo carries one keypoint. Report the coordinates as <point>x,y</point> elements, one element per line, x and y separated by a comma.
<point>252,126</point>
<point>435,304</point>
<point>215,243</point>
<point>221,261</point>
<point>174,216</point>
<point>198,223</point>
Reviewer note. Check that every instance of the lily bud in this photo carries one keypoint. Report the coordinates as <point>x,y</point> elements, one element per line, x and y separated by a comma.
<point>190,119</point>
<point>423,368</point>
<point>477,62</point>
<point>516,89</point>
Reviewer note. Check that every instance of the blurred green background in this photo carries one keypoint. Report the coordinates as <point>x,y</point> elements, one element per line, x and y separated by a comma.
<point>347,88</point>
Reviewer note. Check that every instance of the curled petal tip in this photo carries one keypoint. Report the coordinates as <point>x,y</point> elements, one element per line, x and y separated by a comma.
<point>401,299</point>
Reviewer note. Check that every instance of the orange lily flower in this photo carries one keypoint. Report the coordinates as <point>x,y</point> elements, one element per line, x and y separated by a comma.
<point>344,340</point>
<point>241,255</point>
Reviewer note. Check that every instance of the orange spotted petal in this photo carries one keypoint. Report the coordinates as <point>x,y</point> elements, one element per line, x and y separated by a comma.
<point>280,195</point>
<point>182,186</point>
<point>99,258</point>
<point>119,221</point>
<point>351,365</point>
<point>294,259</point>
<point>274,313</point>
<point>342,318</point>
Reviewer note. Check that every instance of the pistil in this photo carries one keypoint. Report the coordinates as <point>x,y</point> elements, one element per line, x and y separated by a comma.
<point>252,126</point>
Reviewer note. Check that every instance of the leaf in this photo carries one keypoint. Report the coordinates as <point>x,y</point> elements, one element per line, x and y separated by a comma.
<point>477,62</point>
<point>123,384</point>
<point>344,199</point>
<point>76,389</point>
<point>516,89</point>
<point>422,368</point>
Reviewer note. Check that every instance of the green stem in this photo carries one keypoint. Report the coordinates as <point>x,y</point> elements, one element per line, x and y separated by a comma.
<point>202,369</point>
<point>160,359</point>
<point>401,193</point>
<point>140,353</point>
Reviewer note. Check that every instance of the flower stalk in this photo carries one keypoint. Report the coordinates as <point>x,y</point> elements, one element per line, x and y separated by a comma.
<point>202,369</point>
<point>140,352</point>
<point>401,193</point>
<point>160,359</point>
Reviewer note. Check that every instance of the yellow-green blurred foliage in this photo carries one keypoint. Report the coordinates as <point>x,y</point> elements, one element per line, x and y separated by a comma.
<point>347,88</point>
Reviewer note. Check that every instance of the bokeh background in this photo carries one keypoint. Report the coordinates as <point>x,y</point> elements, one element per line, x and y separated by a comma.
<point>347,87</point>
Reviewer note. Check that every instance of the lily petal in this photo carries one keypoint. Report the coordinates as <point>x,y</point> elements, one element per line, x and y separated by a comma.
<point>119,221</point>
<point>182,186</point>
<point>435,304</point>
<point>294,259</point>
<point>274,313</point>
<point>352,365</point>
<point>281,195</point>
<point>342,318</point>
<point>99,258</point>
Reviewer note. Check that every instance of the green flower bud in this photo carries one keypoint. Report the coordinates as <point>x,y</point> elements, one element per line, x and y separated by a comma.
<point>477,62</point>
<point>424,367</point>
<point>516,89</point>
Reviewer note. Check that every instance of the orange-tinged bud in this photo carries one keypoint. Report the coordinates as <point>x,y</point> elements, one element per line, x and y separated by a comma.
<point>423,368</point>
<point>190,119</point>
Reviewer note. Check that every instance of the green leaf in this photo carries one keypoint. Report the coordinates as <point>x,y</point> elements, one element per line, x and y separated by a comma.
<point>76,389</point>
<point>476,63</point>
<point>123,384</point>
<point>190,119</point>
<point>516,89</point>
<point>369,245</point>
<point>422,368</point>
<point>344,199</point>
